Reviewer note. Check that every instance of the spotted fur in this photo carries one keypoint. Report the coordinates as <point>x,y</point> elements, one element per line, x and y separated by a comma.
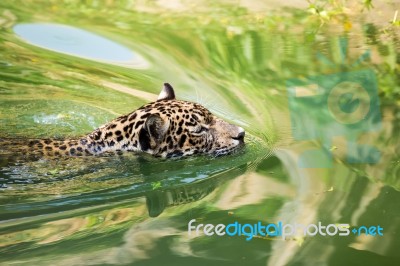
<point>164,128</point>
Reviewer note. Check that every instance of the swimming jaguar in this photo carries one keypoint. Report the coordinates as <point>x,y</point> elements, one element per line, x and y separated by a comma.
<point>165,128</point>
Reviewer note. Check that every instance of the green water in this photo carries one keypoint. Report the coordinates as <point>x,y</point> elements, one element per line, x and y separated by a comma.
<point>240,61</point>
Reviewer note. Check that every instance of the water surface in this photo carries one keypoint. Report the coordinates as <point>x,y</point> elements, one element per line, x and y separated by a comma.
<point>255,66</point>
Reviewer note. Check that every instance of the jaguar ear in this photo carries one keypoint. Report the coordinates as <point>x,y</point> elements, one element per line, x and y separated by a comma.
<point>153,132</point>
<point>167,93</point>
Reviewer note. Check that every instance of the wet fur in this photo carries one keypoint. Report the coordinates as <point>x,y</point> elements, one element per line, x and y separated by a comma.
<point>164,128</point>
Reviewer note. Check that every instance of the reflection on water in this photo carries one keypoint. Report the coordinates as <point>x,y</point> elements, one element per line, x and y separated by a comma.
<point>238,61</point>
<point>79,42</point>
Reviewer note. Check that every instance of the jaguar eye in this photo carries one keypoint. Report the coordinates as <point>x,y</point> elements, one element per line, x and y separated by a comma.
<point>200,129</point>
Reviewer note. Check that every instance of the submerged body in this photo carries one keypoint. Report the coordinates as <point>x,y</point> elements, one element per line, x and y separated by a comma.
<point>164,128</point>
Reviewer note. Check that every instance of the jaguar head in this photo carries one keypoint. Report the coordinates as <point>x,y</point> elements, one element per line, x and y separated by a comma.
<point>175,128</point>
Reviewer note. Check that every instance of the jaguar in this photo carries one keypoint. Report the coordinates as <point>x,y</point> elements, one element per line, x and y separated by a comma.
<point>165,128</point>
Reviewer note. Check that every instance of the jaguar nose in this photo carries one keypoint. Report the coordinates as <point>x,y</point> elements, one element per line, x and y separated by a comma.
<point>240,136</point>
